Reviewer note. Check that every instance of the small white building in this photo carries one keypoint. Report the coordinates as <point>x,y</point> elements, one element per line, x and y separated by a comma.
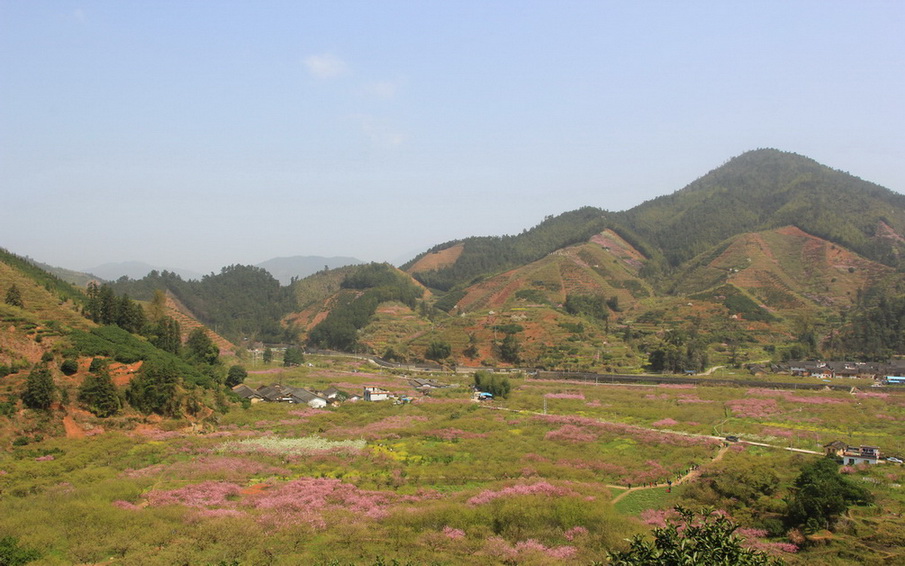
<point>374,393</point>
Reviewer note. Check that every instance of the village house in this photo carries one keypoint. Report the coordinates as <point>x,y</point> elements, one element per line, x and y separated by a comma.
<point>835,448</point>
<point>277,393</point>
<point>247,392</point>
<point>374,393</point>
<point>853,455</point>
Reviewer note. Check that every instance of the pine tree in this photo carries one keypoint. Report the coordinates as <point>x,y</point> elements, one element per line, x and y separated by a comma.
<point>99,394</point>
<point>39,389</point>
<point>200,348</point>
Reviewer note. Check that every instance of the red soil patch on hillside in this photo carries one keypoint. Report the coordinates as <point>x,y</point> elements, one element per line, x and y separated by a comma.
<point>619,247</point>
<point>122,374</point>
<point>21,344</point>
<point>72,430</point>
<point>438,260</point>
<point>884,230</point>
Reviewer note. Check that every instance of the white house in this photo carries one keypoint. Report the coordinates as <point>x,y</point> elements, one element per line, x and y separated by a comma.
<point>374,393</point>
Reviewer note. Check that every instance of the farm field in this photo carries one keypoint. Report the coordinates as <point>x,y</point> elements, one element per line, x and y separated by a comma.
<point>530,479</point>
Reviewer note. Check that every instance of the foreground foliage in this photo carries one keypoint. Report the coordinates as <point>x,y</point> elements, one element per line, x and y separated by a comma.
<point>706,540</point>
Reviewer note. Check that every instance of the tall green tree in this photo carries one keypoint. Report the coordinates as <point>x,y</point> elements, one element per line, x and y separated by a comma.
<point>40,390</point>
<point>167,335</point>
<point>99,394</point>
<point>235,375</point>
<point>821,494</point>
<point>496,385</point>
<point>509,349</point>
<point>293,357</point>
<point>199,348</point>
<point>438,350</point>
<point>155,389</point>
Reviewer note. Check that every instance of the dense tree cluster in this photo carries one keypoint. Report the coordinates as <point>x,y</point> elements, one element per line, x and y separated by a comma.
<point>510,348</point>
<point>200,349</point>
<point>353,309</point>
<point>104,307</point>
<point>495,384</point>
<point>155,389</point>
<point>491,254</point>
<point>821,494</point>
<point>236,375</point>
<point>679,352</point>
<point>293,356</point>
<point>241,301</point>
<point>438,350</point>
<point>593,306</point>
<point>166,334</point>
<point>877,325</point>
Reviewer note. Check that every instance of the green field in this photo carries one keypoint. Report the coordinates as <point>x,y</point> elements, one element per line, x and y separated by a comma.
<point>443,480</point>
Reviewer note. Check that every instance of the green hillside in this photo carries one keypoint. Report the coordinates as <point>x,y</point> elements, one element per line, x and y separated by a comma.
<point>765,189</point>
<point>492,254</point>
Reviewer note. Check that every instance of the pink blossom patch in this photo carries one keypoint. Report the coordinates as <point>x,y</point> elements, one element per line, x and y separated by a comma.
<point>665,422</point>
<point>774,431</point>
<point>578,396</point>
<point>501,549</point>
<point>303,501</point>
<point>453,533</point>
<point>202,495</point>
<point>754,408</point>
<point>575,532</point>
<point>570,433</point>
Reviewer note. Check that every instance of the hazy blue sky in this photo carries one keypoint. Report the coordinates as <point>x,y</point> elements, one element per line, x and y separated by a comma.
<point>198,134</point>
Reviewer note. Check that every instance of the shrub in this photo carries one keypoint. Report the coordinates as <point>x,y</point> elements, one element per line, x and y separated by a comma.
<point>708,539</point>
<point>69,367</point>
<point>11,554</point>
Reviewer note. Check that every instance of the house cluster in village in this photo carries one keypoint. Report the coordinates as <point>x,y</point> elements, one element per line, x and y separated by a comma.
<point>892,373</point>
<point>278,393</point>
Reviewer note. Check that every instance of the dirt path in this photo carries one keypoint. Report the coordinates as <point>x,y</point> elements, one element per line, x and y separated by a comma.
<point>691,475</point>
<point>72,429</point>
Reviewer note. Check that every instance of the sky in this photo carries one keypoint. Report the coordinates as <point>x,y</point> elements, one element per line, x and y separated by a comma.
<point>200,134</point>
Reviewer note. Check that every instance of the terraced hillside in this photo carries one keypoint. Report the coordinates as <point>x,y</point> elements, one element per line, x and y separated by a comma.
<point>784,269</point>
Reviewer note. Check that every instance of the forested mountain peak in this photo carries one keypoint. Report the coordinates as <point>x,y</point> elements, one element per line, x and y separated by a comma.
<point>765,189</point>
